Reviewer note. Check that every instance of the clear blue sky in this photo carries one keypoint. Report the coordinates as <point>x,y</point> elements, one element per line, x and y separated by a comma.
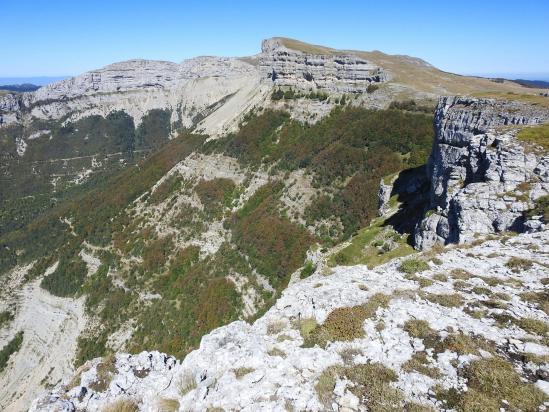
<point>61,37</point>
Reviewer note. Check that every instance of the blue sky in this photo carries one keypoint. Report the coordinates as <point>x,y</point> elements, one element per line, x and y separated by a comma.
<point>59,37</point>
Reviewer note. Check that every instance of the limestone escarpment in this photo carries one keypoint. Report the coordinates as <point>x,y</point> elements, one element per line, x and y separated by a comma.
<point>483,178</point>
<point>339,73</point>
<point>190,91</point>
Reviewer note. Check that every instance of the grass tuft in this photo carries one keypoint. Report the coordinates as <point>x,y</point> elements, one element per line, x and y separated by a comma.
<point>345,324</point>
<point>413,265</point>
<point>121,405</point>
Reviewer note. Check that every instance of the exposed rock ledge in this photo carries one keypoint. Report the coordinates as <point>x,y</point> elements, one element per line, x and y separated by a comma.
<point>482,177</point>
<point>265,367</point>
<point>340,73</point>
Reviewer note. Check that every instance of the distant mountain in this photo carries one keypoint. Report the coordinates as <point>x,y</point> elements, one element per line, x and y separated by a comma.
<point>533,83</point>
<point>25,87</point>
<point>38,80</point>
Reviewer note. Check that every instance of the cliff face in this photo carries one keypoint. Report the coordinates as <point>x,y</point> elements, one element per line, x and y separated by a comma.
<point>334,72</point>
<point>482,177</point>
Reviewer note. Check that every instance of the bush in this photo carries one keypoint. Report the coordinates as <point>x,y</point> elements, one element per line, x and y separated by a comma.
<point>68,278</point>
<point>215,193</point>
<point>307,270</point>
<point>156,253</point>
<point>13,346</point>
<point>5,317</point>
<point>413,265</point>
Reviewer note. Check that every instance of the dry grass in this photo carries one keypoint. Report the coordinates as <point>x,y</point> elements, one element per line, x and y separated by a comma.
<point>276,326</point>
<point>345,324</point>
<point>167,405</point>
<point>454,300</point>
<point>440,277</point>
<point>517,264</point>
<point>186,383</point>
<point>535,326</point>
<point>423,281</point>
<point>540,299</point>
<point>533,98</point>
<point>372,385</point>
<point>463,344</point>
<point>419,328</point>
<point>121,405</point>
<point>105,372</point>
<point>241,372</point>
<point>277,352</point>
<point>419,363</point>
<point>491,381</point>
<point>460,274</point>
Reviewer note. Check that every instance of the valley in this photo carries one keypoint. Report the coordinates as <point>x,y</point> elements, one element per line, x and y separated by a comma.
<point>175,231</point>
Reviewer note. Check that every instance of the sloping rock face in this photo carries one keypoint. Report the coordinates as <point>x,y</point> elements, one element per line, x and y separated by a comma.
<point>191,91</point>
<point>482,177</point>
<point>340,73</point>
<point>267,365</point>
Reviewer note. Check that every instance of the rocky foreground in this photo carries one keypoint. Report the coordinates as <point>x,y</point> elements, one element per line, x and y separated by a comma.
<point>462,328</point>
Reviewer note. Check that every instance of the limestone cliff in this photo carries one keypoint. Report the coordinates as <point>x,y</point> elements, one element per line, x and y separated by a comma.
<point>482,177</point>
<point>335,72</point>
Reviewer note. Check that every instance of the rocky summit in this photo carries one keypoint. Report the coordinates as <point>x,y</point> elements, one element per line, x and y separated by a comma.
<point>304,229</point>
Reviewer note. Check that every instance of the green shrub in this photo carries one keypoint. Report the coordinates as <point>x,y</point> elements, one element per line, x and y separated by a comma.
<point>68,277</point>
<point>13,346</point>
<point>6,316</point>
<point>168,187</point>
<point>307,270</point>
<point>413,265</point>
<point>215,193</point>
<point>541,208</point>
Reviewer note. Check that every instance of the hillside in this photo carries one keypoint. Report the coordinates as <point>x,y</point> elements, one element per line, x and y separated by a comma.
<point>146,204</point>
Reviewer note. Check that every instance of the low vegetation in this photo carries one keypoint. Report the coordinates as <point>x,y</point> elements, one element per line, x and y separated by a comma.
<point>517,264</point>
<point>345,324</point>
<point>6,316</point>
<point>372,386</point>
<point>373,246</point>
<point>538,135</point>
<point>413,265</point>
<point>11,347</point>
<point>493,384</point>
<point>121,405</point>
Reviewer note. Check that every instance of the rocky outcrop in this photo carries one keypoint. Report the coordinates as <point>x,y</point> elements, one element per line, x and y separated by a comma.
<point>483,178</point>
<point>340,73</point>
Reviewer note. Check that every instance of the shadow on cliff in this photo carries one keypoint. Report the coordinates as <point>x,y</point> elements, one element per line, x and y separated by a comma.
<point>412,190</point>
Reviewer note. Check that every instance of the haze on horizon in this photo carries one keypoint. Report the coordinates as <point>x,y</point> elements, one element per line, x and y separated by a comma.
<point>64,38</point>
